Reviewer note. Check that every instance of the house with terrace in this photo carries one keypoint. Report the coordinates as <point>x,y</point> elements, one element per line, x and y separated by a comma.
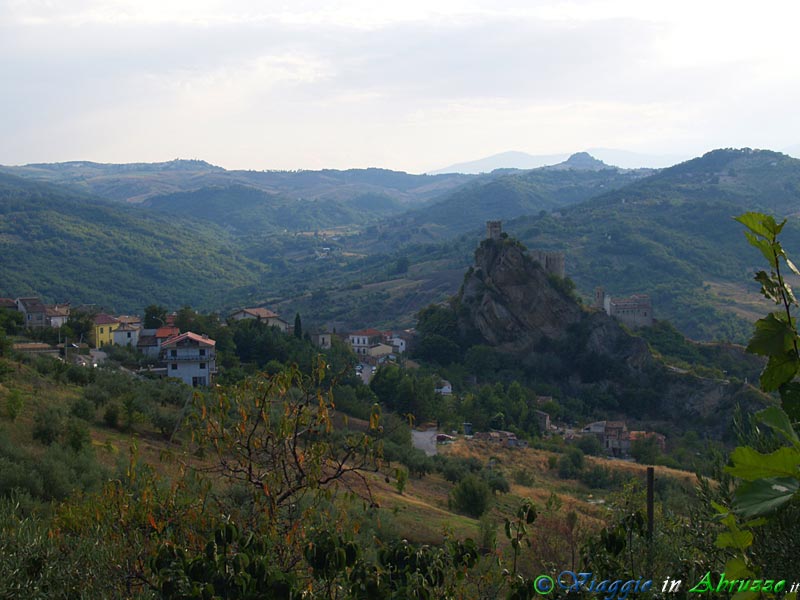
<point>191,358</point>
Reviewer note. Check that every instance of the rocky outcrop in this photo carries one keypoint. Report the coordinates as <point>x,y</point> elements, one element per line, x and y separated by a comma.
<point>511,300</point>
<point>516,305</point>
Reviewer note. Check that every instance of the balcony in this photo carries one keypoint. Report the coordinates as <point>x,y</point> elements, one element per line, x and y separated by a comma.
<point>190,358</point>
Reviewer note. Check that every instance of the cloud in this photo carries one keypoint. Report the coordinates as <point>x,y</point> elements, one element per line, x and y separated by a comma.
<point>414,86</point>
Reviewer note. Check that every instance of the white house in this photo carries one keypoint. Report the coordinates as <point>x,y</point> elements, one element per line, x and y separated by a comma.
<point>443,387</point>
<point>261,314</point>
<point>191,358</point>
<point>398,343</point>
<point>126,335</point>
<point>362,341</point>
<point>56,314</point>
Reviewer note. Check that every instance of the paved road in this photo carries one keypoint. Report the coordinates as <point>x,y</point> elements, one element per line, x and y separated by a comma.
<point>366,373</point>
<point>98,356</point>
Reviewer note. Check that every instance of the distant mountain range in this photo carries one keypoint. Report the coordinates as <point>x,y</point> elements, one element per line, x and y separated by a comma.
<point>139,181</point>
<point>524,161</point>
<point>508,195</point>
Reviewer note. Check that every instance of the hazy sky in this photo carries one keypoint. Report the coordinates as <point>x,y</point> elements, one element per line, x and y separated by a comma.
<point>412,85</point>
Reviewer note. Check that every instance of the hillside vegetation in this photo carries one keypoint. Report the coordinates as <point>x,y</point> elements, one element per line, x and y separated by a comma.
<point>66,246</point>
<point>335,254</point>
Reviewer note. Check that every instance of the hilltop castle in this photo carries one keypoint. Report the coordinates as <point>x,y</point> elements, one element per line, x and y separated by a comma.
<point>552,262</point>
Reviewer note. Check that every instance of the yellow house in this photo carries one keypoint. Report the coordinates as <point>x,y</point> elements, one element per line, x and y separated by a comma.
<point>104,326</point>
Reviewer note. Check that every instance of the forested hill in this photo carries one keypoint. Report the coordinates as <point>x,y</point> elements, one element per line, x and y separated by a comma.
<point>513,195</point>
<point>672,235</point>
<point>67,246</point>
<point>669,234</point>
<point>250,210</point>
<point>138,181</point>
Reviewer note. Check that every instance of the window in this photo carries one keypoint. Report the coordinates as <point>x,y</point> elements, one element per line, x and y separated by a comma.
<point>202,365</point>
<point>129,335</point>
<point>174,366</point>
<point>101,330</point>
<point>173,353</point>
<point>202,351</point>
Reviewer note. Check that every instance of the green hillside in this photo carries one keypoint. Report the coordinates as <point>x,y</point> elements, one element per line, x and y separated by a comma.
<point>135,182</point>
<point>249,210</point>
<point>672,236</point>
<point>509,196</point>
<point>69,247</point>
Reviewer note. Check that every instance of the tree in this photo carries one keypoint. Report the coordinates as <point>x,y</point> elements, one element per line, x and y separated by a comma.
<point>185,319</point>
<point>155,316</point>
<point>590,444</point>
<point>770,482</point>
<point>570,464</point>
<point>48,423</point>
<point>471,496</point>
<point>400,266</point>
<point>298,326</point>
<point>273,438</point>
<point>645,450</point>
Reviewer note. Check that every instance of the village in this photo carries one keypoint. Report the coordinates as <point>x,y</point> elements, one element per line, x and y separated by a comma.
<point>191,358</point>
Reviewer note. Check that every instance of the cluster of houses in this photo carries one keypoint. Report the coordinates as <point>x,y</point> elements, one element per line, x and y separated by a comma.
<point>35,313</point>
<point>192,357</point>
<point>372,345</point>
<point>617,440</point>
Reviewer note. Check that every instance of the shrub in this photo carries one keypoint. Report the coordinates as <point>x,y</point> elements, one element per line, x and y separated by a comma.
<point>111,415</point>
<point>47,425</point>
<point>497,482</point>
<point>471,496</point>
<point>14,404</point>
<point>83,408</point>
<point>597,477</point>
<point>523,477</point>
<point>487,532</point>
<point>589,444</point>
<point>80,375</point>
<point>96,395</point>
<point>402,479</point>
<point>570,464</point>
<point>454,471</point>
<point>76,435</point>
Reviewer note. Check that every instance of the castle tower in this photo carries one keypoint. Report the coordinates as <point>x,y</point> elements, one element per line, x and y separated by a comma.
<point>494,229</point>
<point>599,297</point>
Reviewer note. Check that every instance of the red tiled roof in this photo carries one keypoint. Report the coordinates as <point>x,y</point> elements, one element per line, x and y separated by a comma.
<point>261,313</point>
<point>57,310</point>
<point>8,303</point>
<point>129,319</point>
<point>104,319</point>
<point>368,332</point>
<point>167,332</point>
<point>32,304</point>
<point>189,336</point>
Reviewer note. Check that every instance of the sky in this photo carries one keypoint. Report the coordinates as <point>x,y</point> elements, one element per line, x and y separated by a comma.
<point>412,85</point>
